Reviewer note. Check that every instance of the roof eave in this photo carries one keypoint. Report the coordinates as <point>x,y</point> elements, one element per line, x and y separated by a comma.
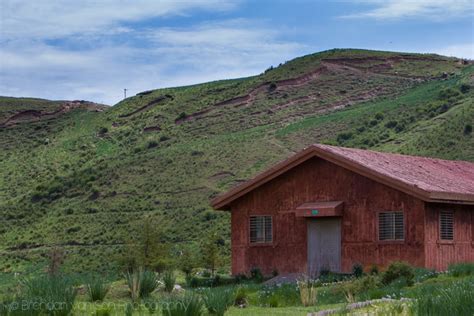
<point>223,201</point>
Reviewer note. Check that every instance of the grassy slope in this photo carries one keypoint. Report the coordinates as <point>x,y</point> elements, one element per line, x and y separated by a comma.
<point>64,182</point>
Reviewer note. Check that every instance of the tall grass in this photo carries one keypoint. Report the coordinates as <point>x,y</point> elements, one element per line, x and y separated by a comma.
<point>454,299</point>
<point>190,304</point>
<point>97,289</point>
<point>169,280</point>
<point>461,269</point>
<point>308,291</point>
<point>54,293</point>
<point>218,301</point>
<point>141,283</point>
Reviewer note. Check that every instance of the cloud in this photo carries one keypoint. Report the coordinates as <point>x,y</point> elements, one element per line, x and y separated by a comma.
<point>460,50</point>
<point>437,10</point>
<point>99,66</point>
<point>57,18</point>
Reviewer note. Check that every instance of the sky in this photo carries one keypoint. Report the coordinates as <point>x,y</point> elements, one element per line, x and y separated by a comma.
<point>93,49</point>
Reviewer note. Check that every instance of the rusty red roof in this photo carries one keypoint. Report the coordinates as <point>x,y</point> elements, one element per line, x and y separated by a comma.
<point>430,179</point>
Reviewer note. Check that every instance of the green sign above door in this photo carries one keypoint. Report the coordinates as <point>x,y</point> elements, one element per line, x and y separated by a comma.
<point>314,212</point>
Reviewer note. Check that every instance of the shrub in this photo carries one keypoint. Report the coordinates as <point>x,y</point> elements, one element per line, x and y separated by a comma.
<point>374,270</point>
<point>55,293</point>
<point>103,131</point>
<point>152,144</point>
<point>467,129</point>
<point>141,283</point>
<point>398,270</point>
<point>342,137</point>
<point>464,88</point>
<point>461,269</point>
<point>256,274</point>
<point>308,291</point>
<point>97,289</point>
<point>357,270</point>
<point>240,296</point>
<point>391,124</point>
<point>379,116</point>
<point>169,280</point>
<point>218,301</point>
<point>190,304</point>
<point>359,286</point>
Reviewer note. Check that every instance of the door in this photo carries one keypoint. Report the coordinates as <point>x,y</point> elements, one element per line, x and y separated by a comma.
<point>324,245</point>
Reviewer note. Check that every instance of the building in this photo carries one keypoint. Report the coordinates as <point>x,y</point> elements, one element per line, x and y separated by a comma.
<point>328,208</point>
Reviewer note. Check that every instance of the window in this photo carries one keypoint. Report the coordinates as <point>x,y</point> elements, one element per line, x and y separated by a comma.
<point>391,226</point>
<point>446,225</point>
<point>260,229</point>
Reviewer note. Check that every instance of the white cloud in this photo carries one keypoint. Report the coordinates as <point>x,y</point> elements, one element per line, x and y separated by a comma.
<point>166,57</point>
<point>438,10</point>
<point>461,50</point>
<point>56,18</point>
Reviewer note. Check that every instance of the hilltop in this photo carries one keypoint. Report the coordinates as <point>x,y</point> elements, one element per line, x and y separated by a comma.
<point>81,175</point>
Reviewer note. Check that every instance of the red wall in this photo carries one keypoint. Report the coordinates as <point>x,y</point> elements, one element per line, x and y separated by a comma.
<point>441,253</point>
<point>319,180</point>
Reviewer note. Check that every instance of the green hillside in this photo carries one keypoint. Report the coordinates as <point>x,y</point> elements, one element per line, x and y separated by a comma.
<point>83,178</point>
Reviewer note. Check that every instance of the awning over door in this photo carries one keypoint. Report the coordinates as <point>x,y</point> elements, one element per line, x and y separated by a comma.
<point>320,209</point>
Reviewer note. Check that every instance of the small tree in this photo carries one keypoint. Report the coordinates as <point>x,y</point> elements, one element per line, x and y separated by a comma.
<point>187,261</point>
<point>210,253</point>
<point>146,248</point>
<point>56,259</point>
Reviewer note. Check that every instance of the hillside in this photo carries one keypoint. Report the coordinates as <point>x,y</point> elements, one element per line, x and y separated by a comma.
<point>83,177</point>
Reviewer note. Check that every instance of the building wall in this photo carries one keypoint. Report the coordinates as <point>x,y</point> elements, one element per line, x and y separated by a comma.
<point>319,180</point>
<point>441,253</point>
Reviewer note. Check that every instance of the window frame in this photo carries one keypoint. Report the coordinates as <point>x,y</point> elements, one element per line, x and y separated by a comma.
<point>264,242</point>
<point>444,240</point>
<point>403,240</point>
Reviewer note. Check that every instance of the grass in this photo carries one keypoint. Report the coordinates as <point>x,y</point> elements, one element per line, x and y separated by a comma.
<point>63,180</point>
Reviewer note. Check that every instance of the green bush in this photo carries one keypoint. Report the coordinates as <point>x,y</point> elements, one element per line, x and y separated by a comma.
<point>141,283</point>
<point>218,301</point>
<point>97,289</point>
<point>398,270</point>
<point>357,270</point>
<point>374,270</point>
<point>169,280</point>
<point>464,88</point>
<point>240,296</point>
<point>461,269</point>
<point>467,129</point>
<point>190,304</point>
<point>256,274</point>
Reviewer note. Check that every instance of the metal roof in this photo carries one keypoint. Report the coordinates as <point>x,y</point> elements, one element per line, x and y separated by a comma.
<point>430,179</point>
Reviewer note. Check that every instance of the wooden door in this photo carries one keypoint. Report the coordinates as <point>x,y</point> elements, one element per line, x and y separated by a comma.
<point>324,245</point>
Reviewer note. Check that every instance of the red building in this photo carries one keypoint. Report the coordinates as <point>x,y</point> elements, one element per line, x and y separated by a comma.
<point>331,207</point>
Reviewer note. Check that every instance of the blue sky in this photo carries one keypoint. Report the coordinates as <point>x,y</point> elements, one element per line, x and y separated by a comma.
<point>93,49</point>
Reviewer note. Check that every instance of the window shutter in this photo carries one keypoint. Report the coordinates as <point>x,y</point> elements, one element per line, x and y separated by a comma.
<point>391,226</point>
<point>261,230</point>
<point>446,225</point>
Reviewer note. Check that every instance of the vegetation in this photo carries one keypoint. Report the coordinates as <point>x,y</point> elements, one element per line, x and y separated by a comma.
<point>142,164</point>
<point>218,301</point>
<point>141,283</point>
<point>169,280</point>
<point>97,289</point>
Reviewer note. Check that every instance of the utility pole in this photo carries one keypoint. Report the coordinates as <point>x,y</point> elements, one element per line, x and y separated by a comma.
<point>125,93</point>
